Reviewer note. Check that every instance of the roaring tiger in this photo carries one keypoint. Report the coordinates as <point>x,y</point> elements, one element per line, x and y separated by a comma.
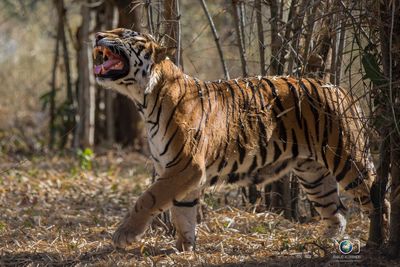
<point>202,133</point>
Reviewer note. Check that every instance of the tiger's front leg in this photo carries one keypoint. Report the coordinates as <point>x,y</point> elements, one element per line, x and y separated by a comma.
<point>184,218</point>
<point>158,198</point>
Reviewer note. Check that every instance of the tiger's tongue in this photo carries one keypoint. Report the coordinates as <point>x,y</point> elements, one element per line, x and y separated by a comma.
<point>106,66</point>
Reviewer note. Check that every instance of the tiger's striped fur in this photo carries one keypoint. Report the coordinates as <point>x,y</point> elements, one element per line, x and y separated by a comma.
<point>203,133</point>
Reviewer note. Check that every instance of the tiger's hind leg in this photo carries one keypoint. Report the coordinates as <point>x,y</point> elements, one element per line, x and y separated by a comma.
<point>322,190</point>
<point>184,218</point>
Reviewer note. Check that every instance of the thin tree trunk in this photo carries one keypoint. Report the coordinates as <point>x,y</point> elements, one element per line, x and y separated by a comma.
<point>69,124</point>
<point>276,62</point>
<point>149,14</point>
<point>298,23</point>
<point>286,196</point>
<point>53,82</point>
<point>110,94</point>
<point>288,31</point>
<point>378,191</point>
<point>216,39</point>
<point>260,34</point>
<point>172,28</point>
<point>332,69</point>
<point>236,16</point>
<point>86,97</point>
<point>309,34</point>
<point>179,36</point>
<point>342,37</point>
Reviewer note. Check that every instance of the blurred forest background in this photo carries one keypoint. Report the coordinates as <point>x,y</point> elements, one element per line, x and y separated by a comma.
<point>52,111</point>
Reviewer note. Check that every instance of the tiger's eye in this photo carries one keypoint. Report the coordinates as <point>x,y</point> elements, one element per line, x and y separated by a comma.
<point>147,55</point>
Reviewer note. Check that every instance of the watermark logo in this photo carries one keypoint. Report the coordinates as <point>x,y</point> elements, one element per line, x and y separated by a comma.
<point>347,246</point>
<point>347,250</point>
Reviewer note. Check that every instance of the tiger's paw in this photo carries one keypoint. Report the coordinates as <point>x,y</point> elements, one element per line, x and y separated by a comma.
<point>127,233</point>
<point>336,226</point>
<point>185,244</point>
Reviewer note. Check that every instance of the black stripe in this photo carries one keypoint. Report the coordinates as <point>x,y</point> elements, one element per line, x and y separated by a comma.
<point>281,167</point>
<point>296,103</point>
<point>306,134</point>
<point>312,104</point>
<point>222,164</point>
<point>187,164</point>
<point>318,205</point>
<point>253,97</point>
<point>233,178</point>
<point>169,142</point>
<point>214,180</point>
<point>171,163</point>
<point>313,194</point>
<point>338,153</point>
<point>129,80</point>
<point>345,170</point>
<point>316,183</point>
<point>197,135</point>
<point>277,152</point>
<point>234,167</point>
<point>262,141</point>
<point>324,146</point>
<point>209,98</point>
<point>155,103</point>
<point>175,107</point>
<point>328,193</point>
<point>274,94</point>
<point>295,146</point>
<point>242,152</point>
<point>186,204</point>
<point>315,90</point>
<point>253,165</point>
<point>156,123</point>
<point>260,94</point>
<point>359,180</point>
<point>245,96</point>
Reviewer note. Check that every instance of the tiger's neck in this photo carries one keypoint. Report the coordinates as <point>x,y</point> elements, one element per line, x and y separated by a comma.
<point>162,86</point>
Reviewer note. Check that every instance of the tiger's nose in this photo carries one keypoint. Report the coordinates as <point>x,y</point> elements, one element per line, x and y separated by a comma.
<point>99,35</point>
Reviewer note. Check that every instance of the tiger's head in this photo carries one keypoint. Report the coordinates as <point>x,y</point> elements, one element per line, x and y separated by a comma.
<point>125,60</point>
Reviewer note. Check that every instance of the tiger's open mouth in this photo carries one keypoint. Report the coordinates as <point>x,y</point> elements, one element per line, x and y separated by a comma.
<point>109,63</point>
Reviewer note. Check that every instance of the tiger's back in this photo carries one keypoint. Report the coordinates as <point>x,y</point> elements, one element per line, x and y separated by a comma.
<point>242,125</point>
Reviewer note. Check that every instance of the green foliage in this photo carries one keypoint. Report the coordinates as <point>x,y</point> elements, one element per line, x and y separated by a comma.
<point>85,158</point>
<point>373,72</point>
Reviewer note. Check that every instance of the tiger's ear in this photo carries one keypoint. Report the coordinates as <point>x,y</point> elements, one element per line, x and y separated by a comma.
<point>162,53</point>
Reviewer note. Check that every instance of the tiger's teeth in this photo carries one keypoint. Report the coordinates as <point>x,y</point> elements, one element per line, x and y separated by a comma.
<point>103,70</point>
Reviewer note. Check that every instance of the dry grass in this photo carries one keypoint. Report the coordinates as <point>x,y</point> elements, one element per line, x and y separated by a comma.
<point>55,214</point>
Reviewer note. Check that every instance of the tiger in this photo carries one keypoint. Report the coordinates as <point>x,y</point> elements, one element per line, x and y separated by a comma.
<point>208,133</point>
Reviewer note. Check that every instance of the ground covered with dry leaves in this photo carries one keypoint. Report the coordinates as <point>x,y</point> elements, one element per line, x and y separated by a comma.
<point>57,211</point>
